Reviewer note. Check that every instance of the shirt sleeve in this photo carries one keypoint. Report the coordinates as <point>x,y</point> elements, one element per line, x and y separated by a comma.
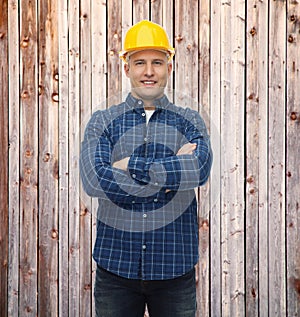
<point>99,178</point>
<point>182,172</point>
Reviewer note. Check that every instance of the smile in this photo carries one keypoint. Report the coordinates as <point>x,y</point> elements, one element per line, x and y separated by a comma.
<point>148,82</point>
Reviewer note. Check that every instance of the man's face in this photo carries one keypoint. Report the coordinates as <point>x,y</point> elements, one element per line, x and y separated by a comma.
<point>148,72</point>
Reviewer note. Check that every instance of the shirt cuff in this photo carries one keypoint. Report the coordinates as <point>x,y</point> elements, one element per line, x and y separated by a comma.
<point>137,169</point>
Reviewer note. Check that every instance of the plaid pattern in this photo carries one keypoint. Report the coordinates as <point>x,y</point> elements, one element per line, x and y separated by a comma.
<point>147,216</point>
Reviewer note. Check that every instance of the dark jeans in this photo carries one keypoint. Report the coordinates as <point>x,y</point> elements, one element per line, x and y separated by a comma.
<point>120,297</point>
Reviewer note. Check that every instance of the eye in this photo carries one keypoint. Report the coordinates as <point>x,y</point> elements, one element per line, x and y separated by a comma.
<point>157,62</point>
<point>139,63</point>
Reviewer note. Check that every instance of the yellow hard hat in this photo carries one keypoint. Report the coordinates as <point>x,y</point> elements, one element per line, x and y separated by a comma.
<point>146,35</point>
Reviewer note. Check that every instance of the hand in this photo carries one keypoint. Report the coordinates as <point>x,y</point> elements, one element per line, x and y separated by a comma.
<point>122,164</point>
<point>187,148</point>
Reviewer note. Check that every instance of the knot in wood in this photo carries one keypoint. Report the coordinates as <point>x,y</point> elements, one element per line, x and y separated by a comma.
<point>291,39</point>
<point>28,153</point>
<point>178,38</point>
<point>47,157</point>
<point>54,234</point>
<point>55,97</point>
<point>40,90</point>
<point>25,42</point>
<point>250,179</point>
<point>253,31</point>
<point>252,191</point>
<point>293,116</point>
<point>24,94</point>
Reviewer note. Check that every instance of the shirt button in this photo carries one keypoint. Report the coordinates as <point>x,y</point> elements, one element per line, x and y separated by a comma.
<point>143,114</point>
<point>145,139</point>
<point>140,102</point>
<point>145,215</point>
<point>155,200</point>
<point>133,176</point>
<point>144,247</point>
<point>133,202</point>
<point>156,184</point>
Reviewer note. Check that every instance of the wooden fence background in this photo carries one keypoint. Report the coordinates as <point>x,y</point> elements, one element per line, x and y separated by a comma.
<point>240,59</point>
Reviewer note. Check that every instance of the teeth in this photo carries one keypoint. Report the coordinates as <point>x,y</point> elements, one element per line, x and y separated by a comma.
<point>148,82</point>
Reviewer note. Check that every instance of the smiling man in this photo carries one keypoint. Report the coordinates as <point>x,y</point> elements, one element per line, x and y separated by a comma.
<point>143,160</point>
<point>148,71</point>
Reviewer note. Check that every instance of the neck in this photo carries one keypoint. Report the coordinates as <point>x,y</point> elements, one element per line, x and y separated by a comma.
<point>149,107</point>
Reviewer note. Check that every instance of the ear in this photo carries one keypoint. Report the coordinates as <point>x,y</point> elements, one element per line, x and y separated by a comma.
<point>126,69</point>
<point>170,66</point>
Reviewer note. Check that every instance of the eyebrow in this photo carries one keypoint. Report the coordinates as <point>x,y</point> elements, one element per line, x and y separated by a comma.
<point>143,60</point>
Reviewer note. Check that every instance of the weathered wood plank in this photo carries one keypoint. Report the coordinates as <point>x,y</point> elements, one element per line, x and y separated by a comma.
<point>292,159</point>
<point>99,88</point>
<point>3,163</point>
<point>232,127</point>
<point>126,24</point>
<point>204,193</point>
<point>186,45</point>
<point>63,159</point>
<point>14,158</point>
<point>263,157</point>
<point>48,158</point>
<point>256,160</point>
<point>277,225</point>
<point>85,202</point>
<point>141,10</point>
<point>162,13</point>
<point>28,160</point>
<point>74,128</point>
<point>215,212</point>
<point>113,48</point>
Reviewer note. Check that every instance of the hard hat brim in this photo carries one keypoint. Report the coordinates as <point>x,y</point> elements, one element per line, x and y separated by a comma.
<point>125,54</point>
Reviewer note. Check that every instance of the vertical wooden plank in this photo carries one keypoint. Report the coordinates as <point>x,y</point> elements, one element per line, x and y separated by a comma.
<point>114,32</point>
<point>63,158</point>
<point>277,224</point>
<point>204,193</point>
<point>29,160</point>
<point>168,24</point>
<point>256,160</point>
<point>141,10</point>
<point>48,158</point>
<point>98,88</point>
<point>74,128</point>
<point>85,215</point>
<point>186,45</point>
<point>4,149</point>
<point>215,213</point>
<point>126,24</point>
<point>232,127</point>
<point>99,56</point>
<point>156,11</point>
<point>292,159</point>
<point>263,101</point>
<point>14,159</point>
<point>162,13</point>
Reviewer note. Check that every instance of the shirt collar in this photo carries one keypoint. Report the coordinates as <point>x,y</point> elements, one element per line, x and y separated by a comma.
<point>136,103</point>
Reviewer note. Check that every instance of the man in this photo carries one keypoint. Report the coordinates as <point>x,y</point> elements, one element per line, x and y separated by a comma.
<point>143,159</point>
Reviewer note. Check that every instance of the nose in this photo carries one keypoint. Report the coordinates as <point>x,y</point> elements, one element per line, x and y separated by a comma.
<point>149,69</point>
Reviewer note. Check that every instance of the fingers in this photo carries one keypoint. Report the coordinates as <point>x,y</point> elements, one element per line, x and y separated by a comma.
<point>122,164</point>
<point>187,148</point>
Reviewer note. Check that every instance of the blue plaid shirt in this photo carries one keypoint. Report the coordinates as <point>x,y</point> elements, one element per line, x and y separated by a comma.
<point>147,216</point>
